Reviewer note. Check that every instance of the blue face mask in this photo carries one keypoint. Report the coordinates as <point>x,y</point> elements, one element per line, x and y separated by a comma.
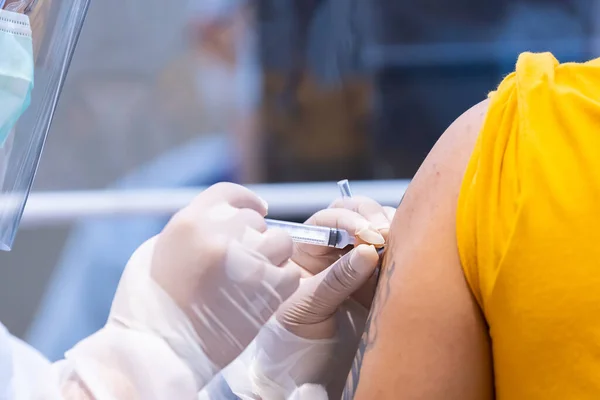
<point>16,70</point>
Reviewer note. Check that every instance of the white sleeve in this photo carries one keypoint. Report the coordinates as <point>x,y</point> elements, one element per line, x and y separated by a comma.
<point>20,367</point>
<point>28,366</point>
<point>112,364</point>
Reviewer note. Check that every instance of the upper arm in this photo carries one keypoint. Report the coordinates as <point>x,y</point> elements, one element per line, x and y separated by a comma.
<point>426,337</point>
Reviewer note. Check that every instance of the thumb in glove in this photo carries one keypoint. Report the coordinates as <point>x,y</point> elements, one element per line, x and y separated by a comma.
<point>309,312</point>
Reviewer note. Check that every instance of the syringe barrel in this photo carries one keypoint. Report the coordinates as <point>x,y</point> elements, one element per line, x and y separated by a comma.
<point>310,234</point>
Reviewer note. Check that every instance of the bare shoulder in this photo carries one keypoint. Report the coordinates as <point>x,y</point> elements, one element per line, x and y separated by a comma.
<point>426,337</point>
<point>453,149</point>
<point>442,171</point>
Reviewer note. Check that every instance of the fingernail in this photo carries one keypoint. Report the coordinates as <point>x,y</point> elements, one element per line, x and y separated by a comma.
<point>360,262</point>
<point>371,235</point>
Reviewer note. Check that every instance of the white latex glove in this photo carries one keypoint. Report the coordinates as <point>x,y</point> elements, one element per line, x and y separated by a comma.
<point>319,320</point>
<point>281,360</point>
<point>297,346</point>
<point>368,220</point>
<point>190,300</point>
<point>309,392</point>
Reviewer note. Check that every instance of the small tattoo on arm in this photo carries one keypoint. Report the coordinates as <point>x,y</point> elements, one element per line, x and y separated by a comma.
<point>369,337</point>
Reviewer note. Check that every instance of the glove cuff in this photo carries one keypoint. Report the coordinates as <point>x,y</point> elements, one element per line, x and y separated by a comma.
<point>284,361</point>
<point>152,311</point>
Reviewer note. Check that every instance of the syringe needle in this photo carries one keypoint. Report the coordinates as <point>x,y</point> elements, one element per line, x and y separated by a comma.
<point>344,186</point>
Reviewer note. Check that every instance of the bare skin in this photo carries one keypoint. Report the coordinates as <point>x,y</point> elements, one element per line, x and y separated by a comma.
<point>426,337</point>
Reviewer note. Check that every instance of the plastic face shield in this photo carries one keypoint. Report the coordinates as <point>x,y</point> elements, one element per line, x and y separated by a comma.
<point>55,26</point>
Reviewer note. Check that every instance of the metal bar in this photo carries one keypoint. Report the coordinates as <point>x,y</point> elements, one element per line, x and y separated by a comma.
<point>285,200</point>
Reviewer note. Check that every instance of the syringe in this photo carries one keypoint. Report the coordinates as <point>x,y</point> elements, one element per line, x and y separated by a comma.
<point>319,235</point>
<point>311,234</point>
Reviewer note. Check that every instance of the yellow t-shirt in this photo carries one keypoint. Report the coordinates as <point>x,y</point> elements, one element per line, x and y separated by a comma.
<point>528,228</point>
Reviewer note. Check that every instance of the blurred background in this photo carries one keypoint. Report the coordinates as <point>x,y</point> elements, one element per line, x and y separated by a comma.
<point>263,91</point>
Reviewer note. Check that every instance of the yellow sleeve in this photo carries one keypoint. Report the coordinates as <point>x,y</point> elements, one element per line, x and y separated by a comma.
<point>490,195</point>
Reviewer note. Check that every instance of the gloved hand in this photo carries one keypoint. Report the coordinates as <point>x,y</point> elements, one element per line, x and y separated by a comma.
<point>309,312</point>
<point>296,347</point>
<point>365,218</point>
<point>190,300</point>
